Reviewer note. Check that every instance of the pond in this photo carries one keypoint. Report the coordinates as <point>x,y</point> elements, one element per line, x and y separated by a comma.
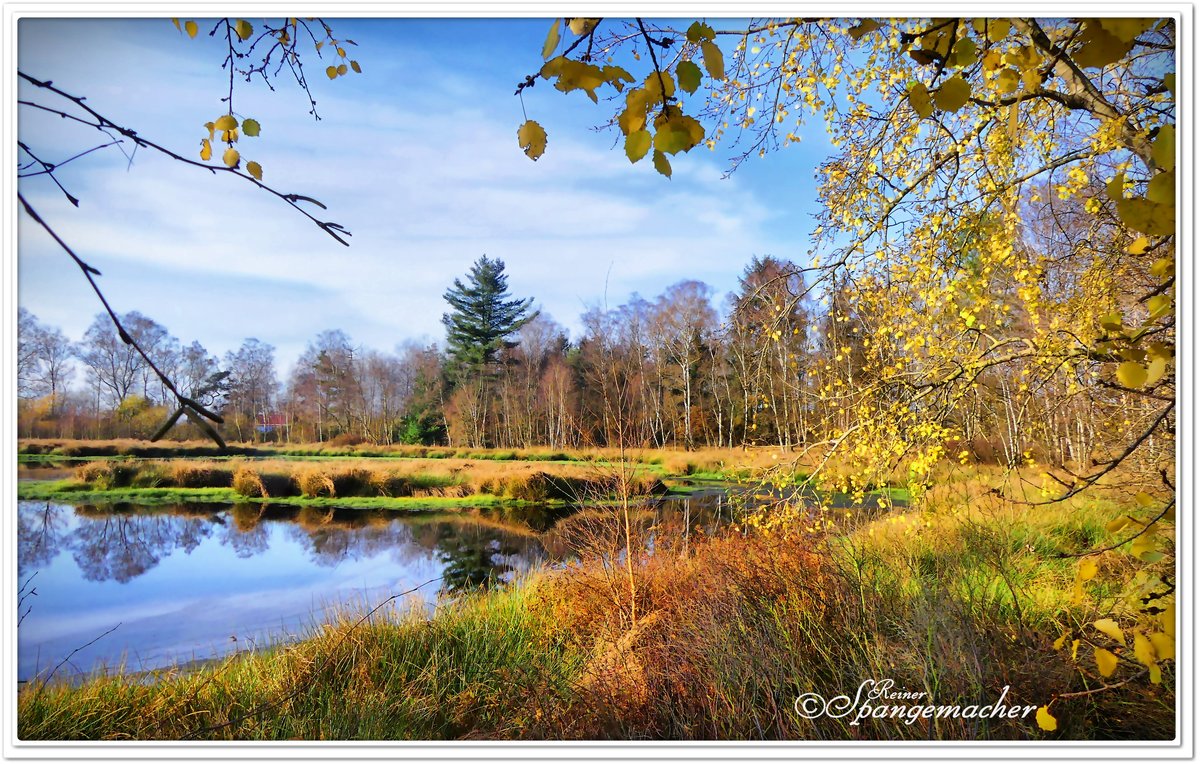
<point>194,581</point>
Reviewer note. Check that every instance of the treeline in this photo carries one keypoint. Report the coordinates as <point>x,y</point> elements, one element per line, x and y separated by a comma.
<point>672,371</point>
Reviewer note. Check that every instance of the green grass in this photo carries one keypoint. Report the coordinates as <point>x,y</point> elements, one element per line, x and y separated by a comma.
<point>75,491</point>
<point>478,665</point>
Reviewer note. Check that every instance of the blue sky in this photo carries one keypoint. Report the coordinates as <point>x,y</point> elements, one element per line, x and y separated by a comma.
<point>417,157</point>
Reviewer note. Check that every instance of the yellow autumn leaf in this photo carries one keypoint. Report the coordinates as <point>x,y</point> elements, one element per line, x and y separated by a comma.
<point>531,137</point>
<point>342,69</point>
<point>1131,374</point>
<point>243,29</point>
<point>688,75</point>
<point>192,28</point>
<point>1167,619</point>
<point>331,72</point>
<point>1106,662</point>
<point>1113,322</point>
<point>699,31</point>
<point>918,99</point>
<point>255,170</point>
<point>354,65</point>
<point>1007,81</point>
<point>1100,48</point>
<point>1088,568</point>
<point>637,144</point>
<point>1144,547</point>
<point>226,122</point>
<point>677,133</point>
<point>953,94</point>
<point>1161,188</point>
<point>251,127</point>
<point>230,157</point>
<point>1116,524</point>
<point>1110,628</point>
<point>1125,29</point>
<point>864,27</point>
<point>1139,246</point>
<point>552,37</point>
<point>1156,369</point>
<point>1045,720</point>
<point>661,164</point>
<point>581,26</point>
<point>205,149</point>
<point>1163,148</point>
<point>1164,645</point>
<point>714,59</point>
<point>1143,649</point>
<point>964,53</point>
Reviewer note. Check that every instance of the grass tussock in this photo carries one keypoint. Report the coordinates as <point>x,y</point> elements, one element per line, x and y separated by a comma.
<point>672,462</point>
<point>444,478</point>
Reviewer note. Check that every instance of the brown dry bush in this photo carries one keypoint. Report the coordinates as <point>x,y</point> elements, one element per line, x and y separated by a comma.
<point>315,482</point>
<point>657,679</point>
<point>199,475</point>
<point>388,483</point>
<point>350,481</point>
<point>107,474</point>
<point>248,483</point>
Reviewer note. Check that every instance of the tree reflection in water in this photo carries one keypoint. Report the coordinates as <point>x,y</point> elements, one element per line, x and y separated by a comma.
<point>475,548</point>
<point>121,542</point>
<point>117,544</point>
<point>41,527</point>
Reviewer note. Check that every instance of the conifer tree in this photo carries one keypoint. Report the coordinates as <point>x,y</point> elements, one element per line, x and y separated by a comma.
<point>482,318</point>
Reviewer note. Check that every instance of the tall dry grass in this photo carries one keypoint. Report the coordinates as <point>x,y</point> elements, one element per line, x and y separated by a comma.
<point>531,482</point>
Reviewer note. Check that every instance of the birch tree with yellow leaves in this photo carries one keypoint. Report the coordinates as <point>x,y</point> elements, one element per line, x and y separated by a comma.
<point>999,211</point>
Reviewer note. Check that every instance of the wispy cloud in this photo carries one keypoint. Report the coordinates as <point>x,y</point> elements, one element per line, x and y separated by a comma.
<point>425,182</point>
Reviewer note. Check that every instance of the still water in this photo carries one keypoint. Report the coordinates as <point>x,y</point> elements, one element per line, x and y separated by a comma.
<point>195,582</point>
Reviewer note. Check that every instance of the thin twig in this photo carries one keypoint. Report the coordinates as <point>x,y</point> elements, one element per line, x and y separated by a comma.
<point>185,402</point>
<point>58,666</point>
<point>104,124</point>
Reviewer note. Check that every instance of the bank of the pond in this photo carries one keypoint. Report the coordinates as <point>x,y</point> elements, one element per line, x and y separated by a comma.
<point>706,462</point>
<point>345,483</point>
<point>73,492</point>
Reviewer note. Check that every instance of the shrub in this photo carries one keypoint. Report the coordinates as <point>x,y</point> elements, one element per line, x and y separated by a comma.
<point>247,482</point>
<point>350,482</point>
<point>191,475</point>
<point>313,482</point>
<point>388,484</point>
<point>346,439</point>
<point>151,475</point>
<point>103,476</point>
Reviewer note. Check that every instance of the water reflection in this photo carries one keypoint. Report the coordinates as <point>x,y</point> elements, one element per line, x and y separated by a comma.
<point>196,581</point>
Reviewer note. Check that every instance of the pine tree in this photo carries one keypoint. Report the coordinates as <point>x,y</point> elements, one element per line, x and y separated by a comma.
<point>482,318</point>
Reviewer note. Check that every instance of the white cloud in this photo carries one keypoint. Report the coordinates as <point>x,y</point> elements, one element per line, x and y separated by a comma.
<point>424,192</point>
